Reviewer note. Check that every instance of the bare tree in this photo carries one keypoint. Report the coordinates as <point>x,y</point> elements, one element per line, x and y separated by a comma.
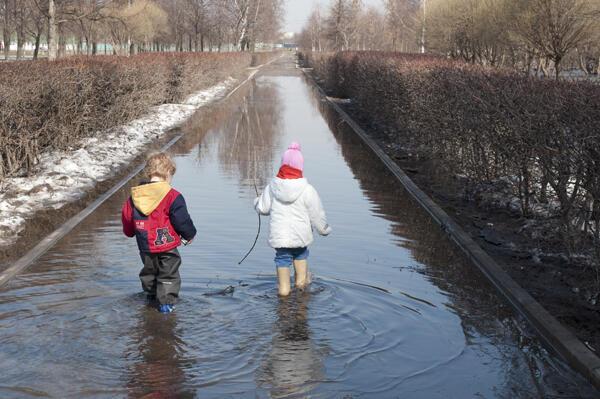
<point>555,27</point>
<point>342,23</point>
<point>403,23</point>
<point>6,11</point>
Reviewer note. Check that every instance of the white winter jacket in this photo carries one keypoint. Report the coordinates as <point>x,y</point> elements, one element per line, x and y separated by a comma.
<point>295,208</point>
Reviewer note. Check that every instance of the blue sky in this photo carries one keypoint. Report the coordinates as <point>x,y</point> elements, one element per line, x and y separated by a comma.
<point>298,11</point>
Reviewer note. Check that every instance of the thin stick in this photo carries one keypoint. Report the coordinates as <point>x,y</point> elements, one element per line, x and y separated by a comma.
<point>257,233</point>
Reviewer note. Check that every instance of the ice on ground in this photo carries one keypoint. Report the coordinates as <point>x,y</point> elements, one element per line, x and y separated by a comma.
<point>63,177</point>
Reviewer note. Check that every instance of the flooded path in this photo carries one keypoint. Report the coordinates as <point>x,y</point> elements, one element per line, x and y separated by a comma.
<point>394,311</point>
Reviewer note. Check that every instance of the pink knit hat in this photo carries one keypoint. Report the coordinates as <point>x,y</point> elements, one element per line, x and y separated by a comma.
<point>293,157</point>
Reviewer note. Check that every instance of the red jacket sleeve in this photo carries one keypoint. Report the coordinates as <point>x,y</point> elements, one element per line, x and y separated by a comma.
<point>127,219</point>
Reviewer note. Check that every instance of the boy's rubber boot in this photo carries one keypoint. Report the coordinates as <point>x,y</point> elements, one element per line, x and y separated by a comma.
<point>166,308</point>
<point>283,281</point>
<point>302,278</point>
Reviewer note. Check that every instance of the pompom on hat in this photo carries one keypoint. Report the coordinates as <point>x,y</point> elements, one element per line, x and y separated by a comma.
<point>293,157</point>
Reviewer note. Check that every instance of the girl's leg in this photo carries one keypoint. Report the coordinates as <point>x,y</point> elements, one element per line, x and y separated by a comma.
<point>301,274</point>
<point>283,262</point>
<point>283,281</point>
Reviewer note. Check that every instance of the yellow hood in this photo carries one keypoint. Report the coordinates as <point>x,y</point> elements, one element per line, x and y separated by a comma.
<point>147,197</point>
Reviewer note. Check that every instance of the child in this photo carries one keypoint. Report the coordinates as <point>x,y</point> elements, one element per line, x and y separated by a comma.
<point>158,217</point>
<point>295,207</point>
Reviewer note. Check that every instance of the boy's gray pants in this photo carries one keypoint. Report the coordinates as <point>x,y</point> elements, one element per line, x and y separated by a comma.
<point>160,275</point>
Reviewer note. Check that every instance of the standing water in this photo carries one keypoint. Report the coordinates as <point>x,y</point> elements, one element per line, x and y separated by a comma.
<point>394,309</point>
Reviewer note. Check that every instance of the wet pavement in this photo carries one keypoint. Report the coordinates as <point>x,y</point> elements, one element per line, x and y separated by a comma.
<point>394,309</point>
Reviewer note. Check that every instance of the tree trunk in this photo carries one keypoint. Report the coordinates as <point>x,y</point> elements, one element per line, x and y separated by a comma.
<point>52,32</point>
<point>36,51</point>
<point>6,31</point>
<point>62,43</point>
<point>6,34</point>
<point>581,60</point>
<point>20,42</point>
<point>543,68</point>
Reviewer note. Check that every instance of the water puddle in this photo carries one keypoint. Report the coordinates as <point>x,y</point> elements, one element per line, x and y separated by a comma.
<point>394,309</point>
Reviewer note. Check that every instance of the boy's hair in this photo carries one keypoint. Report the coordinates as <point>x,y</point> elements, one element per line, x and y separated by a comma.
<point>159,165</point>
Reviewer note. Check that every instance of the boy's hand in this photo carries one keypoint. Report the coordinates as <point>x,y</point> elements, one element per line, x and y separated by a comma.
<point>186,242</point>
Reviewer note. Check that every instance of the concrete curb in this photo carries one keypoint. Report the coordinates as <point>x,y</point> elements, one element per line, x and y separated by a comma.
<point>561,340</point>
<point>50,240</point>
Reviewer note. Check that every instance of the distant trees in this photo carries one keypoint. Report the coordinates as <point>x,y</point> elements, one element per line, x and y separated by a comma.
<point>19,21</point>
<point>403,17</point>
<point>349,25</point>
<point>556,27</point>
<point>131,26</point>
<point>532,35</point>
<point>536,36</point>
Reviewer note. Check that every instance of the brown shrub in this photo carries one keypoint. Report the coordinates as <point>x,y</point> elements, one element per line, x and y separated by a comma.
<point>540,137</point>
<point>51,105</point>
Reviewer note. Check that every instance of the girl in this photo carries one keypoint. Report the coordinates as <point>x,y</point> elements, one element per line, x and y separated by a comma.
<point>295,208</point>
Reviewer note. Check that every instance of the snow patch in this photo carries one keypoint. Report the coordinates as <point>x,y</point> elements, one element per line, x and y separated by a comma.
<point>63,177</point>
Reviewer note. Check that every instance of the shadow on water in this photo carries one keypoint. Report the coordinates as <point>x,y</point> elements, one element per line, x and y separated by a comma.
<point>394,310</point>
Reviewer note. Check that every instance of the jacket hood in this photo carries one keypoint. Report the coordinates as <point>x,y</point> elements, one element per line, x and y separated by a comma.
<point>147,197</point>
<point>288,190</point>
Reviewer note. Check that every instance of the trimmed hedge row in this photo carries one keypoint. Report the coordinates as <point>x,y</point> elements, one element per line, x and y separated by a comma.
<point>539,138</point>
<point>50,105</point>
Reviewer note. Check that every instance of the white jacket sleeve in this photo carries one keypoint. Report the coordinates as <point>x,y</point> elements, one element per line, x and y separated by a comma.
<point>316,212</point>
<point>262,204</point>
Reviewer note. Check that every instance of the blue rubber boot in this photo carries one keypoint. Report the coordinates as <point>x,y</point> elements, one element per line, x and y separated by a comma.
<point>166,308</point>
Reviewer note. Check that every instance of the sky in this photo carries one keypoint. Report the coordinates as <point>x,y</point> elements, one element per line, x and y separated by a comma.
<point>298,11</point>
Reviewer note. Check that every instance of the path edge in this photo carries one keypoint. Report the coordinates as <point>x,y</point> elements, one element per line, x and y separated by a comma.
<point>556,336</point>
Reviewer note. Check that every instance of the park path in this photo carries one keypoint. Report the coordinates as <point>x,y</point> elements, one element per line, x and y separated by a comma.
<point>394,310</point>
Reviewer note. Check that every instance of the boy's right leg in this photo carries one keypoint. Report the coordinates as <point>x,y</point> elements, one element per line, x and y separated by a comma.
<point>148,273</point>
<point>168,279</point>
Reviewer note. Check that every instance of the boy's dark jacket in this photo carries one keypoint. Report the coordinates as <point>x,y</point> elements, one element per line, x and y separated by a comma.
<point>158,217</point>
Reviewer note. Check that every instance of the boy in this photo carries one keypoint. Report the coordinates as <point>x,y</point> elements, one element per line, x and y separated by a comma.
<point>158,217</point>
<point>295,208</point>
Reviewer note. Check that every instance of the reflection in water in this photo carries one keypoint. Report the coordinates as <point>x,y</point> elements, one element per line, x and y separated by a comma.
<point>245,130</point>
<point>158,371</point>
<point>293,366</point>
<point>247,150</point>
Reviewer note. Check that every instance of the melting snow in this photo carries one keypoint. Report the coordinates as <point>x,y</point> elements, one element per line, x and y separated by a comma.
<point>62,177</point>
